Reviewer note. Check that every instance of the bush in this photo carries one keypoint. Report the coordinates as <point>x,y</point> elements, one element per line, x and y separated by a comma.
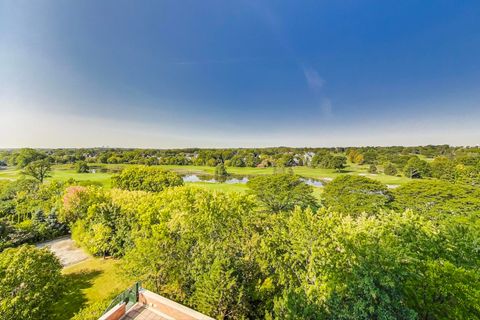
<point>92,311</point>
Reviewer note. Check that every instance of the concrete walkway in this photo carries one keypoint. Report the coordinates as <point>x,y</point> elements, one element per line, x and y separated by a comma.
<point>66,250</point>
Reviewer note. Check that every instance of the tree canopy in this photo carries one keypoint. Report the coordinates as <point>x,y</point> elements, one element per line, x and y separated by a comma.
<point>356,194</point>
<point>281,192</point>
<point>39,169</point>
<point>30,281</point>
<point>146,179</point>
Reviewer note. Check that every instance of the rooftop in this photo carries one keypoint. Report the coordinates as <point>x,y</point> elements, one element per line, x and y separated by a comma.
<point>140,304</point>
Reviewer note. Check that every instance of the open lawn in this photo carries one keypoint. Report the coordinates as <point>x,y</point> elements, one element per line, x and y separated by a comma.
<point>307,172</point>
<point>66,172</point>
<point>89,281</point>
<point>226,187</point>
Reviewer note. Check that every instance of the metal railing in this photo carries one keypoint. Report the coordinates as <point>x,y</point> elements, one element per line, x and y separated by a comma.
<point>129,297</point>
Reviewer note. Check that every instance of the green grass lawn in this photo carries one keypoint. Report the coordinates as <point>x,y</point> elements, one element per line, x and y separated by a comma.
<point>66,172</point>
<point>9,174</point>
<point>226,187</point>
<point>317,191</point>
<point>100,177</point>
<point>308,172</point>
<point>87,282</point>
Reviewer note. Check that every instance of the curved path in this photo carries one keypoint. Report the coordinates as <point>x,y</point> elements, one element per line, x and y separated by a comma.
<point>66,250</point>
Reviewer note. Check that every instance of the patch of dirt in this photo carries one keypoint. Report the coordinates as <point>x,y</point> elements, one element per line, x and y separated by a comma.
<point>66,250</point>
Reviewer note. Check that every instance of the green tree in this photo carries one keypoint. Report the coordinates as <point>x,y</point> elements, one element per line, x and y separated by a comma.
<point>361,277</point>
<point>443,168</point>
<point>370,156</point>
<point>26,156</point>
<point>219,292</point>
<point>39,169</point>
<point>350,194</point>
<point>82,167</point>
<point>146,179</point>
<point>390,169</point>
<point>281,192</point>
<point>105,230</point>
<point>437,197</point>
<point>214,269</point>
<point>468,174</point>
<point>30,281</point>
<point>417,168</point>
<point>220,170</point>
<point>372,168</point>
<point>338,163</point>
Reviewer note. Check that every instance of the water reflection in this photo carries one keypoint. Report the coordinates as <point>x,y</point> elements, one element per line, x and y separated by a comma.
<point>312,182</point>
<point>234,179</point>
<point>214,179</point>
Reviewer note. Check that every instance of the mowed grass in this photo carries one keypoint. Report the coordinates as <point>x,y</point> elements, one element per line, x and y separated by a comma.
<point>9,174</point>
<point>103,178</point>
<point>87,282</point>
<point>226,187</point>
<point>316,173</point>
<point>67,172</point>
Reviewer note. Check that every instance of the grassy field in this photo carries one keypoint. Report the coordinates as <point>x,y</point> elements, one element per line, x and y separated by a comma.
<point>66,172</point>
<point>307,172</point>
<point>87,282</point>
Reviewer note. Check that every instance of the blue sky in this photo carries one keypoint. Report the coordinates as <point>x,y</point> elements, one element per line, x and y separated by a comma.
<point>239,73</point>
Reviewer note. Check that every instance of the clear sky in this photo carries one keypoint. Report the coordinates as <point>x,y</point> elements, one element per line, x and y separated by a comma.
<point>239,73</point>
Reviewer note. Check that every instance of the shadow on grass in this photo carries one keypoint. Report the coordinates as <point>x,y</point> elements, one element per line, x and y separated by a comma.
<point>72,299</point>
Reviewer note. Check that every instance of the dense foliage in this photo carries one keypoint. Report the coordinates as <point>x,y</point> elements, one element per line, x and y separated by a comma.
<point>360,251</point>
<point>227,255</point>
<point>282,192</point>
<point>356,194</point>
<point>28,212</point>
<point>146,179</point>
<point>30,281</point>
<point>254,157</point>
<point>39,169</point>
<point>438,198</point>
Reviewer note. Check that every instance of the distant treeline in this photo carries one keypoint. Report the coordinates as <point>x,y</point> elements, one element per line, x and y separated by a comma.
<point>449,163</point>
<point>235,157</point>
<point>361,251</point>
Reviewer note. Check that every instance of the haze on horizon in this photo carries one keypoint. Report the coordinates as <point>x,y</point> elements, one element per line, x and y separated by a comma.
<point>166,74</point>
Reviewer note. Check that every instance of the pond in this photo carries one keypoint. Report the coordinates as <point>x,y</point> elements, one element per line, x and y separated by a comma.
<point>236,179</point>
<point>213,179</point>
<point>312,182</point>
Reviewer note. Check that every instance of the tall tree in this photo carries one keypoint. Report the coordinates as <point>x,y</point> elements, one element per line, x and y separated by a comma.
<point>417,168</point>
<point>356,194</point>
<point>30,281</point>
<point>39,169</point>
<point>281,192</point>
